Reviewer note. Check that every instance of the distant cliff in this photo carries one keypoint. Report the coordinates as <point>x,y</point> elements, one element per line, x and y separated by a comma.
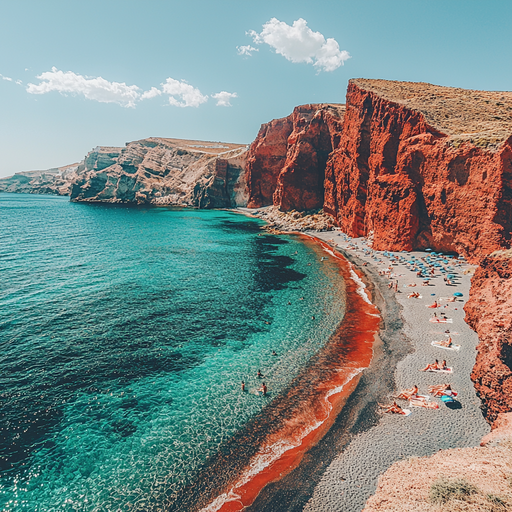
<point>55,181</point>
<point>420,165</point>
<point>166,171</point>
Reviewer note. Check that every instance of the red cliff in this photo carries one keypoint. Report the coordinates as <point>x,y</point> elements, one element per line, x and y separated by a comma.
<point>489,313</point>
<point>422,166</point>
<point>286,162</point>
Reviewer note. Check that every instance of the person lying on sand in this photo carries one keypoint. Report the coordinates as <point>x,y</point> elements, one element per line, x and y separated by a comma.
<point>433,366</point>
<point>442,389</point>
<point>435,305</point>
<point>393,408</point>
<point>407,394</point>
<point>412,284</point>
<point>425,283</point>
<point>413,295</point>
<point>446,343</point>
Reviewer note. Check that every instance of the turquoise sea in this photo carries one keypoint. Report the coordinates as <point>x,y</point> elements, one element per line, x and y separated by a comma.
<point>125,333</point>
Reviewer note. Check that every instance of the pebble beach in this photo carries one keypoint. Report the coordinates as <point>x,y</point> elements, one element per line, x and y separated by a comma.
<point>351,477</point>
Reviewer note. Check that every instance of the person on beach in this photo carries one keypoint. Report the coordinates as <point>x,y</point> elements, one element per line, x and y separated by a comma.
<point>446,343</point>
<point>435,305</point>
<point>443,366</point>
<point>263,389</point>
<point>396,286</point>
<point>434,366</point>
<point>393,408</point>
<point>407,394</point>
<point>442,389</point>
<point>413,295</point>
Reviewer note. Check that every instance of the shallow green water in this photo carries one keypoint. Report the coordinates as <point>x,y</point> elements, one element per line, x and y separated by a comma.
<point>125,333</point>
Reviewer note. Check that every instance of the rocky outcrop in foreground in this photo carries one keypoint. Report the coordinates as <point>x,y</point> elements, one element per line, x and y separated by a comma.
<point>489,313</point>
<point>420,166</point>
<point>464,479</point>
<point>286,162</point>
<point>57,181</point>
<point>166,171</point>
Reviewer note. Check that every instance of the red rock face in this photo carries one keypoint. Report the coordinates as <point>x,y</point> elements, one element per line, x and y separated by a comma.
<point>286,162</point>
<point>489,313</point>
<point>396,175</point>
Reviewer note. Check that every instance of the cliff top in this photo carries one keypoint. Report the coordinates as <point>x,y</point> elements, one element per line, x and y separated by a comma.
<point>211,148</point>
<point>482,117</point>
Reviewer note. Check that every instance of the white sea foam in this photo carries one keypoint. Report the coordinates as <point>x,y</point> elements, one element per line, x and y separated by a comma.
<point>268,455</point>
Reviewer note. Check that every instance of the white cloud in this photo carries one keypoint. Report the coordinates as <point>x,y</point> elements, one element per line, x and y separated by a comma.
<point>97,89</point>
<point>298,43</point>
<point>152,93</point>
<point>5,78</point>
<point>246,50</point>
<point>188,96</point>
<point>223,98</point>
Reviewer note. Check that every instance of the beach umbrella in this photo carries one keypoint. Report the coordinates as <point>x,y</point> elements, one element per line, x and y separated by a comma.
<point>457,294</point>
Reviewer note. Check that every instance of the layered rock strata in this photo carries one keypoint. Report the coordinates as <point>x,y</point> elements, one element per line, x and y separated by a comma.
<point>489,313</point>
<point>286,162</point>
<point>57,181</point>
<point>166,171</point>
<point>420,165</point>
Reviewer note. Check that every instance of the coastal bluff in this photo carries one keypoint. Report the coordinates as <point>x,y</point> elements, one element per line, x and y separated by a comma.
<point>166,172</point>
<point>424,166</point>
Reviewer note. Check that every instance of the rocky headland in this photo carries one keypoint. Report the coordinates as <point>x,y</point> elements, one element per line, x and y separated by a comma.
<point>166,172</point>
<point>56,181</point>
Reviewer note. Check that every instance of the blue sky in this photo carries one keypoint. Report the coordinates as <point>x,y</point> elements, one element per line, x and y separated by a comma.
<point>75,75</point>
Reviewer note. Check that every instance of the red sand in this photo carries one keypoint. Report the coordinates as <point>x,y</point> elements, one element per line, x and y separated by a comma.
<point>357,330</point>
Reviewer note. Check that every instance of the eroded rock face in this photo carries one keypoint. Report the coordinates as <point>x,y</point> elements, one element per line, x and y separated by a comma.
<point>165,171</point>
<point>286,162</point>
<point>424,166</point>
<point>489,313</point>
<point>56,181</point>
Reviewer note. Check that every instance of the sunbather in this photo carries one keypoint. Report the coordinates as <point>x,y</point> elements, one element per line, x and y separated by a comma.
<point>393,408</point>
<point>434,366</point>
<point>407,394</point>
<point>441,389</point>
<point>446,343</point>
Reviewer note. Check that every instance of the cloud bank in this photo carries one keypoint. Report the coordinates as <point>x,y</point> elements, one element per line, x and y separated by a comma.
<point>246,50</point>
<point>188,96</point>
<point>98,89</point>
<point>224,98</point>
<point>180,93</point>
<point>298,43</point>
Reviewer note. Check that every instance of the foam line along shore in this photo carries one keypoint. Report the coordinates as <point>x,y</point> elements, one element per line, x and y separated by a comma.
<point>329,380</point>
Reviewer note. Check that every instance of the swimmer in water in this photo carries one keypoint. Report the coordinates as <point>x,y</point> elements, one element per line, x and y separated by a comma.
<point>259,374</point>
<point>263,388</point>
<point>243,386</point>
<point>313,317</point>
<point>274,353</point>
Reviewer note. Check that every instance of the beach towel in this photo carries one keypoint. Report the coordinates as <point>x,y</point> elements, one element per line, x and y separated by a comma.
<point>436,320</point>
<point>407,412</point>
<point>447,370</point>
<point>453,347</point>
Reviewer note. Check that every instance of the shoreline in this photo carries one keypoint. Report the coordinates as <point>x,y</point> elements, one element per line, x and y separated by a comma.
<point>333,377</point>
<point>352,478</point>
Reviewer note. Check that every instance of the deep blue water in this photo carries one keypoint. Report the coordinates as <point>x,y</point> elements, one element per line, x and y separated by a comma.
<point>125,333</point>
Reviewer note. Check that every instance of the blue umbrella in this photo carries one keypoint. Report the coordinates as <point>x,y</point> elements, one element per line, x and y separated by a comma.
<point>457,294</point>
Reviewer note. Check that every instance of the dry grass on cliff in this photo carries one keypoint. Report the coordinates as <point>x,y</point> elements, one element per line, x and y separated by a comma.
<point>482,117</point>
<point>466,479</point>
